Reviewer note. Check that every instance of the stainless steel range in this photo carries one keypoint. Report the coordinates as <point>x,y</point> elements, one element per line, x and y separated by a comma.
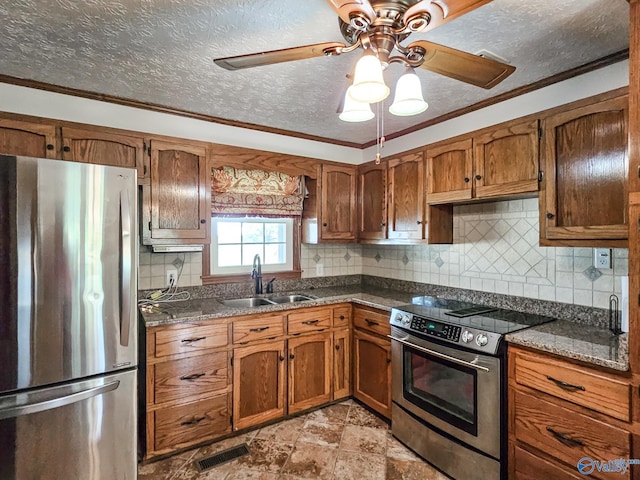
<point>449,383</point>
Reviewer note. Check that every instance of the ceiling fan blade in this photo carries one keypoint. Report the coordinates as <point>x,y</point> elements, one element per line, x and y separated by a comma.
<point>466,67</point>
<point>442,11</point>
<point>344,9</point>
<point>279,56</point>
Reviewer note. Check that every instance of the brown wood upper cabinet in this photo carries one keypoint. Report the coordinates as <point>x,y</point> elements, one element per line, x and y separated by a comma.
<point>104,148</point>
<point>493,163</point>
<point>330,213</point>
<point>584,162</point>
<point>372,201</point>
<point>28,139</point>
<point>180,197</point>
<point>407,216</point>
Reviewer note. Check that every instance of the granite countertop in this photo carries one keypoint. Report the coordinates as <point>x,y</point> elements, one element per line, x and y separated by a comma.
<point>588,343</point>
<point>209,308</point>
<point>591,344</point>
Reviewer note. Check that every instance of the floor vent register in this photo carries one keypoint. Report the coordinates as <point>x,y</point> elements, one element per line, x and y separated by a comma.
<point>222,457</point>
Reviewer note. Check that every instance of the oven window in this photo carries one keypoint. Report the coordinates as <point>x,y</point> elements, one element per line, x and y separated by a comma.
<point>442,388</point>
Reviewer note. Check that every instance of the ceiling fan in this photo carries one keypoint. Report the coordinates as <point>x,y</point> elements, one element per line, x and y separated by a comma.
<point>379,27</point>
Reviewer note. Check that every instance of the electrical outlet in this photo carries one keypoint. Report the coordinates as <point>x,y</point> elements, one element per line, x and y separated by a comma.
<point>602,258</point>
<point>172,277</point>
<point>319,269</point>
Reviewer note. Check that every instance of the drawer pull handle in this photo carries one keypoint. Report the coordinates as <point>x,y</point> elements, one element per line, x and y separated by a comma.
<point>192,340</point>
<point>193,421</point>
<point>320,330</point>
<point>371,322</point>
<point>565,386</point>
<point>565,439</point>
<point>310,322</point>
<point>193,376</point>
<point>258,329</point>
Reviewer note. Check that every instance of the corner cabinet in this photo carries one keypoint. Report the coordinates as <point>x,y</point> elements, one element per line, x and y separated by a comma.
<point>28,139</point>
<point>372,201</point>
<point>179,194</point>
<point>330,213</point>
<point>585,163</point>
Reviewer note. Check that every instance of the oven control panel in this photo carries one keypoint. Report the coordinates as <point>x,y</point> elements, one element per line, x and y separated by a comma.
<point>436,329</point>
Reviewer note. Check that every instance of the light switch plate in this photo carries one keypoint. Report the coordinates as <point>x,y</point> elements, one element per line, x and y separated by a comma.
<point>602,258</point>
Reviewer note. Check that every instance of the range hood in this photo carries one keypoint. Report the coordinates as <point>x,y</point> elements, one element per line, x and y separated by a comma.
<point>175,248</point>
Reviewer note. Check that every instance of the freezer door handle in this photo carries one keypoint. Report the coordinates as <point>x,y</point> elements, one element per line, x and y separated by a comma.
<point>125,268</point>
<point>26,409</point>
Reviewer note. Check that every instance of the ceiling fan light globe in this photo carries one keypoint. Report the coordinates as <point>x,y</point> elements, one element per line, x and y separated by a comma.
<point>408,99</point>
<point>368,83</point>
<point>354,111</point>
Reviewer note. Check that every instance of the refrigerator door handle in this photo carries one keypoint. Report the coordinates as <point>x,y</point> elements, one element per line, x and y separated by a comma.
<point>26,409</point>
<point>125,268</point>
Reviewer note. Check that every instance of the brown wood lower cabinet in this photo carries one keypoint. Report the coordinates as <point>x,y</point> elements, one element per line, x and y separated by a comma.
<point>258,383</point>
<point>560,413</point>
<point>341,364</point>
<point>309,371</point>
<point>372,371</point>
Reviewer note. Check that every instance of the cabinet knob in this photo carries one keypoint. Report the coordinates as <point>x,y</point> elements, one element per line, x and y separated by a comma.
<point>291,356</point>
<point>341,317</point>
<point>383,224</point>
<point>49,146</point>
<point>282,358</point>
<point>203,221</point>
<point>549,215</point>
<point>324,225</point>
<point>466,179</point>
<point>337,347</point>
<point>419,222</point>
<point>66,148</point>
<point>389,360</point>
<point>478,177</point>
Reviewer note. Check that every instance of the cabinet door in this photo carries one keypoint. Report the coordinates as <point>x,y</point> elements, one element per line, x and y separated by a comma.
<point>258,384</point>
<point>506,160</point>
<point>372,371</point>
<point>103,148</point>
<point>28,139</point>
<point>585,163</point>
<point>309,371</point>
<point>450,172</point>
<point>372,201</point>
<point>180,192</point>
<point>406,197</point>
<point>341,364</point>
<point>338,203</point>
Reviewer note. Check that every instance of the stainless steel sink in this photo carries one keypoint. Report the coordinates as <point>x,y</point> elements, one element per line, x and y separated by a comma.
<point>290,299</point>
<point>247,302</point>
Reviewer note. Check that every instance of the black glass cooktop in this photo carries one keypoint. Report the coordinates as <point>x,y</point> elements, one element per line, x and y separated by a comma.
<point>467,314</point>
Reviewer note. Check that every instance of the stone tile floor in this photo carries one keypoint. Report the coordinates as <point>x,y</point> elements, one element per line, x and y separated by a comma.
<point>342,441</point>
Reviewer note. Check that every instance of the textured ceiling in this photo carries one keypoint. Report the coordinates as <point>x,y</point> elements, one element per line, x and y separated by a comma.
<point>160,51</point>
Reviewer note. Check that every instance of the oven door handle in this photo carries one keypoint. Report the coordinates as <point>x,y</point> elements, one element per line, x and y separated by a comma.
<point>440,355</point>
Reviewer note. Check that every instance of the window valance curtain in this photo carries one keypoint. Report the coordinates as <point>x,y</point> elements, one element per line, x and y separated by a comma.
<point>255,192</point>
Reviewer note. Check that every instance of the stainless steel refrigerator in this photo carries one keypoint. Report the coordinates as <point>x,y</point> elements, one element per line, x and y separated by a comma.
<point>68,330</point>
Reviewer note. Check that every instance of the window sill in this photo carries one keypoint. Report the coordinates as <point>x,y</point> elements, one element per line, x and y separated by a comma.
<point>242,278</point>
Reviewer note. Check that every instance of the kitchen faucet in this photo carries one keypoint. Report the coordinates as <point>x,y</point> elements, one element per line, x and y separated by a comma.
<point>256,273</point>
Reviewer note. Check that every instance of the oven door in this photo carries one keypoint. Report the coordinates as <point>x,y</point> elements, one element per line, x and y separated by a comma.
<point>456,391</point>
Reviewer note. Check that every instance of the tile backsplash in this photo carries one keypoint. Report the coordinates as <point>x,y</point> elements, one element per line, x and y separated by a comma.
<point>495,250</point>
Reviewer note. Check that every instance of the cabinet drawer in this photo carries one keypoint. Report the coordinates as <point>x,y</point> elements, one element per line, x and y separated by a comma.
<point>530,467</point>
<point>258,328</point>
<point>309,321</point>
<point>190,376</point>
<point>575,384</point>
<point>170,341</point>
<point>341,316</point>
<point>192,422</point>
<point>566,435</point>
<point>376,321</point>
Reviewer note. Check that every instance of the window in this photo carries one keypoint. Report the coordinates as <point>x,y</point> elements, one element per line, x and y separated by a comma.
<point>236,241</point>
